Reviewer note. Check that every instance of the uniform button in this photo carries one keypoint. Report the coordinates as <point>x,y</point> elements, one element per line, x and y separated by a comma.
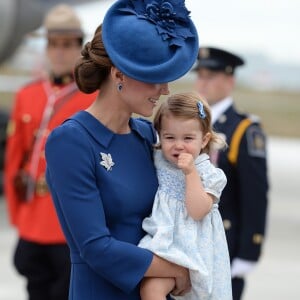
<point>227,224</point>
<point>257,238</point>
<point>41,187</point>
<point>26,118</point>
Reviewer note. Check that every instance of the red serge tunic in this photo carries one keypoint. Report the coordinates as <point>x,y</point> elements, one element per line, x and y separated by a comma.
<point>35,219</point>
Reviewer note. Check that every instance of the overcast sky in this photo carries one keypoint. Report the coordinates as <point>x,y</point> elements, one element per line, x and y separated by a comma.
<point>269,27</point>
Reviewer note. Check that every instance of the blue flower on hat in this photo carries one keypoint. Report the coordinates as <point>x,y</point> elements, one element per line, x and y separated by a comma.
<point>170,17</point>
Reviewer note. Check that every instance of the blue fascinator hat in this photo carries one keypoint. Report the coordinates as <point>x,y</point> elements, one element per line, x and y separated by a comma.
<point>153,41</point>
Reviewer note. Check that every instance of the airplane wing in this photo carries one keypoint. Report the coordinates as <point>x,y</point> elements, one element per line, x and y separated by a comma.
<point>19,17</point>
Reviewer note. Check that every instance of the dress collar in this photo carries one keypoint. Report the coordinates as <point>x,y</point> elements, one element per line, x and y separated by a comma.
<point>102,134</point>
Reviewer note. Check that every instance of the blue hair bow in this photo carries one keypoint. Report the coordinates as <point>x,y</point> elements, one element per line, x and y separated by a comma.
<point>202,113</point>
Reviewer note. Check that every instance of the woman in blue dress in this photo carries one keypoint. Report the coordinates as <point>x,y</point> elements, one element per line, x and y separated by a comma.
<point>99,162</point>
<point>185,226</point>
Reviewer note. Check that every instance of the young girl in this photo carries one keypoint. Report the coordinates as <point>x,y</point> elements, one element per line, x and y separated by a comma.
<point>185,226</point>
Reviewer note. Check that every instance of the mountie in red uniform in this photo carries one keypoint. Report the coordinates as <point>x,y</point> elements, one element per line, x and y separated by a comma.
<point>39,108</point>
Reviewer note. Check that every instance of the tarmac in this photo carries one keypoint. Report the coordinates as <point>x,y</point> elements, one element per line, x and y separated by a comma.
<point>276,276</point>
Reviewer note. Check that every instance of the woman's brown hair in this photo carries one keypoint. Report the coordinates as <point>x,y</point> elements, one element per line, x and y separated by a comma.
<point>93,67</point>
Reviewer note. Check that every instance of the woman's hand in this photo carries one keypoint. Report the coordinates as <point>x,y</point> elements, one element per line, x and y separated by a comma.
<point>182,283</point>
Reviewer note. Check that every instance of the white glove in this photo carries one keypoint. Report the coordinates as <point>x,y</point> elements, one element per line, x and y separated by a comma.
<point>241,267</point>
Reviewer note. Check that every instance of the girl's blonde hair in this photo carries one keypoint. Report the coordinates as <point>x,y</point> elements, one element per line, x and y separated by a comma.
<point>186,105</point>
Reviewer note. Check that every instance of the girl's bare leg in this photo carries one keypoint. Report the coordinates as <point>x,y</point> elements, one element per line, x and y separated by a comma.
<point>153,288</point>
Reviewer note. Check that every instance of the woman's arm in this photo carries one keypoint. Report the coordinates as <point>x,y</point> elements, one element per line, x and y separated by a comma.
<point>71,165</point>
<point>198,201</point>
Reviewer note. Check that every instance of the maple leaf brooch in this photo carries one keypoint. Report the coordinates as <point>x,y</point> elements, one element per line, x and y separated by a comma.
<point>106,161</point>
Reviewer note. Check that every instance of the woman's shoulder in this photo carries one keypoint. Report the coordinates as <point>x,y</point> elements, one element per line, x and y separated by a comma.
<point>67,135</point>
<point>145,128</point>
<point>78,124</point>
<point>67,143</point>
<point>67,128</point>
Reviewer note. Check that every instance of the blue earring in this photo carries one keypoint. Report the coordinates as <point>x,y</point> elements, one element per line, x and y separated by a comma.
<point>119,87</point>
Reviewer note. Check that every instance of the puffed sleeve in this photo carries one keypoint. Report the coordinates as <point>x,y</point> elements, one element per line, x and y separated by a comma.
<point>213,179</point>
<point>71,177</point>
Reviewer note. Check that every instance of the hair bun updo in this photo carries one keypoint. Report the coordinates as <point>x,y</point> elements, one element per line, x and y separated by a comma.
<point>93,67</point>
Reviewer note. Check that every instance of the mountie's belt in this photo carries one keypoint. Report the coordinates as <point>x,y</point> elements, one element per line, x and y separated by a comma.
<point>23,181</point>
<point>41,187</point>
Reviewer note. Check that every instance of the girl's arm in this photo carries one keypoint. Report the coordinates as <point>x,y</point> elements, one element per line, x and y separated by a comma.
<point>160,267</point>
<point>198,201</point>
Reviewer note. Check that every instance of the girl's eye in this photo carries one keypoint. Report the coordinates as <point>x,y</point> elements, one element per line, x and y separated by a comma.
<point>188,138</point>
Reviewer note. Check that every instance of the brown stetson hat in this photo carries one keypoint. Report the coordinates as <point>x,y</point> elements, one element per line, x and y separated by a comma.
<point>62,20</point>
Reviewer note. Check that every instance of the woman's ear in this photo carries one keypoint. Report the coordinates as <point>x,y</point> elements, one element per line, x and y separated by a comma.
<point>116,74</point>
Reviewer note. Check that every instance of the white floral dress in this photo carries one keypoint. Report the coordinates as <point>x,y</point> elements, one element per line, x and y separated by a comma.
<point>199,246</point>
